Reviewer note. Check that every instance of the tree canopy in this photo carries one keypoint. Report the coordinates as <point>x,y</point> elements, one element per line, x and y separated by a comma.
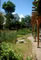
<point>9,7</point>
<point>1,20</point>
<point>27,19</point>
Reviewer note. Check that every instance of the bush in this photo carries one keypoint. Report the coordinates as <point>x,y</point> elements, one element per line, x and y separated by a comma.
<point>24,31</point>
<point>7,53</point>
<point>28,58</point>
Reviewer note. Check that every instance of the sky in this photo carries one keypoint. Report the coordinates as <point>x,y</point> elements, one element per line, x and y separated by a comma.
<point>23,7</point>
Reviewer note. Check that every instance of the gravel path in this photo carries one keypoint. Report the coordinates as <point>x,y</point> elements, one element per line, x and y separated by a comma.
<point>37,51</point>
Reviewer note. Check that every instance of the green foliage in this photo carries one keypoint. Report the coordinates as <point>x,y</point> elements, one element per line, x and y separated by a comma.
<point>6,53</point>
<point>20,57</point>
<point>9,7</point>
<point>27,19</point>
<point>12,35</point>
<point>22,22</point>
<point>24,31</point>
<point>29,58</point>
<point>2,36</point>
<point>8,36</point>
<point>1,20</point>
<point>8,20</point>
<point>12,21</point>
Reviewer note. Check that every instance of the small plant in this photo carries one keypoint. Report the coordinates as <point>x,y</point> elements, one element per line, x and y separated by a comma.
<point>28,58</point>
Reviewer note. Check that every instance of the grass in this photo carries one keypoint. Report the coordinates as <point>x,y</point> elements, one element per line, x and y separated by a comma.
<point>8,36</point>
<point>12,35</point>
<point>23,48</point>
<point>20,48</point>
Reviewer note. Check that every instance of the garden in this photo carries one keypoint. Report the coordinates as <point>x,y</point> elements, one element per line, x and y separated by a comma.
<point>10,49</point>
<point>14,42</point>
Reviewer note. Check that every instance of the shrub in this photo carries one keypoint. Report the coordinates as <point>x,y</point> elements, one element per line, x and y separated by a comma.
<point>24,31</point>
<point>7,53</point>
<point>28,58</point>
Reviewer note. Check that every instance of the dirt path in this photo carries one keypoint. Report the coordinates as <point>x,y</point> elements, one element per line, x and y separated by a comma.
<point>27,46</point>
<point>36,50</point>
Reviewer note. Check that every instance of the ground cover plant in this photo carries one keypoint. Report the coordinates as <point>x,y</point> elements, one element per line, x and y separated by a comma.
<point>6,53</point>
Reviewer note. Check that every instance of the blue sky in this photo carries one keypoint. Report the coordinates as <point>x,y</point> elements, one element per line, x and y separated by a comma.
<point>23,7</point>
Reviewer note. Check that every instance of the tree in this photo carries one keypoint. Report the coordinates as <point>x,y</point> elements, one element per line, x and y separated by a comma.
<point>1,21</point>
<point>27,21</point>
<point>9,7</point>
<point>22,22</point>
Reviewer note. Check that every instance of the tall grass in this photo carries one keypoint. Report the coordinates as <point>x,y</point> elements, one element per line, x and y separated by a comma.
<point>8,35</point>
